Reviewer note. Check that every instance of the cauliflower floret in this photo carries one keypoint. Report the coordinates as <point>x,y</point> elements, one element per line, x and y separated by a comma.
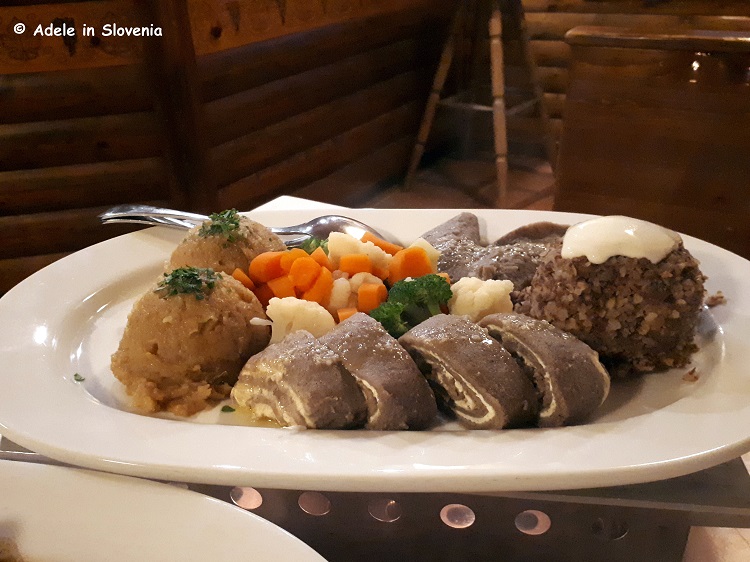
<point>358,279</point>
<point>340,295</point>
<point>344,292</point>
<point>432,253</point>
<point>476,299</point>
<point>291,314</point>
<point>340,244</point>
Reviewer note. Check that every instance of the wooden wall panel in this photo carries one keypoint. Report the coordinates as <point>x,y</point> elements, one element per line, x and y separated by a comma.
<point>323,159</point>
<point>335,84</point>
<point>67,94</point>
<point>57,231</point>
<point>278,131</point>
<point>639,7</point>
<point>357,182</point>
<point>238,114</point>
<point>237,70</point>
<point>28,52</point>
<point>549,20</point>
<point>251,153</point>
<point>220,25</point>
<point>65,142</point>
<point>68,187</point>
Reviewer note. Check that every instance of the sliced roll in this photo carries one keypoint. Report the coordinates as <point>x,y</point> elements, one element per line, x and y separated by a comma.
<point>571,381</point>
<point>300,382</point>
<point>397,395</point>
<point>473,377</point>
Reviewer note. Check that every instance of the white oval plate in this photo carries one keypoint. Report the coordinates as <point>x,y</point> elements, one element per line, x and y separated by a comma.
<point>61,514</point>
<point>68,318</point>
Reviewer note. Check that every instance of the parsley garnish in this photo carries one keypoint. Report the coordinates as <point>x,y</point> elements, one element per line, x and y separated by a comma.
<point>188,280</point>
<point>226,223</point>
<point>78,378</point>
<point>227,409</point>
<point>312,243</point>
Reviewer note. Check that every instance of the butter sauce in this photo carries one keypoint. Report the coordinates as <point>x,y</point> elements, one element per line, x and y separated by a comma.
<point>604,237</point>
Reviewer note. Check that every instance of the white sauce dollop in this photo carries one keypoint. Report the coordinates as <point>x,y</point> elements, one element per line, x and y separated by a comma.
<point>602,238</point>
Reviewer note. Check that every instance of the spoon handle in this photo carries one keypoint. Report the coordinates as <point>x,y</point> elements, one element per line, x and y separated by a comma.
<point>157,216</point>
<point>146,214</point>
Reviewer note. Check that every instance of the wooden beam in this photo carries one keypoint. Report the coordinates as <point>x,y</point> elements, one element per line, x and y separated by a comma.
<point>323,159</point>
<point>175,78</point>
<point>64,142</point>
<point>58,231</point>
<point>65,187</point>
<point>358,182</point>
<point>668,7</point>
<point>74,93</point>
<point>553,27</point>
<point>236,70</point>
<point>233,116</point>
<point>251,153</point>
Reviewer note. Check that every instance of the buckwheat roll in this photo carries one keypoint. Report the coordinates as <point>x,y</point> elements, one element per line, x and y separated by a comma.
<point>473,377</point>
<point>300,382</point>
<point>571,381</point>
<point>397,395</point>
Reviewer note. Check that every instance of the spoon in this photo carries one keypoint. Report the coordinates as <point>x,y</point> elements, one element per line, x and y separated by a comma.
<point>319,227</point>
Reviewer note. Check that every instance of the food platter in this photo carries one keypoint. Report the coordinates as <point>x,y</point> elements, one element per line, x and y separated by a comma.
<point>67,319</point>
<point>65,514</point>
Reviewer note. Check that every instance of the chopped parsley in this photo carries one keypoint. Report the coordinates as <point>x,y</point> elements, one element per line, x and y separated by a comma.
<point>78,378</point>
<point>226,224</point>
<point>312,243</point>
<point>227,409</point>
<point>188,280</point>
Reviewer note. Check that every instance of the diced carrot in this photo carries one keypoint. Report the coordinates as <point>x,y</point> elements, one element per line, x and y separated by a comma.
<point>242,277</point>
<point>344,313</point>
<point>289,257</point>
<point>266,266</point>
<point>380,272</point>
<point>445,276</point>
<point>304,272</point>
<point>355,263</point>
<point>264,294</point>
<point>409,262</point>
<point>387,247</point>
<point>282,287</point>
<point>370,296</point>
<point>320,256</point>
<point>321,289</point>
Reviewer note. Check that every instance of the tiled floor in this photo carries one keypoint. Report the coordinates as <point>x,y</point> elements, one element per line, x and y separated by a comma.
<point>466,184</point>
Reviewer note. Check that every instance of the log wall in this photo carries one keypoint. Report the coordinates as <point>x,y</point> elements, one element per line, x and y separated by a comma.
<point>236,103</point>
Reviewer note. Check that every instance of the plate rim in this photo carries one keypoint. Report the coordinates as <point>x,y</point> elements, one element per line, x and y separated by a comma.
<point>379,477</point>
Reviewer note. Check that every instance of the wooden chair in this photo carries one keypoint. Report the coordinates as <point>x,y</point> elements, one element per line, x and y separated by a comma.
<point>465,12</point>
<point>657,126</point>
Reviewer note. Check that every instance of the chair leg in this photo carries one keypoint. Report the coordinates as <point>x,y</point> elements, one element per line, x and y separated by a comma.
<point>498,103</point>
<point>446,58</point>
<point>550,146</point>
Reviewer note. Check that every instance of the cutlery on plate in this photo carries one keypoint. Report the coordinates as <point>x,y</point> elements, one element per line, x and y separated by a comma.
<point>319,227</point>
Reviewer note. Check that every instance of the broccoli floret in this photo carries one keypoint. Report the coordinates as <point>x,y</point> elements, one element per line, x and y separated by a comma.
<point>312,243</point>
<point>389,315</point>
<point>411,302</point>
